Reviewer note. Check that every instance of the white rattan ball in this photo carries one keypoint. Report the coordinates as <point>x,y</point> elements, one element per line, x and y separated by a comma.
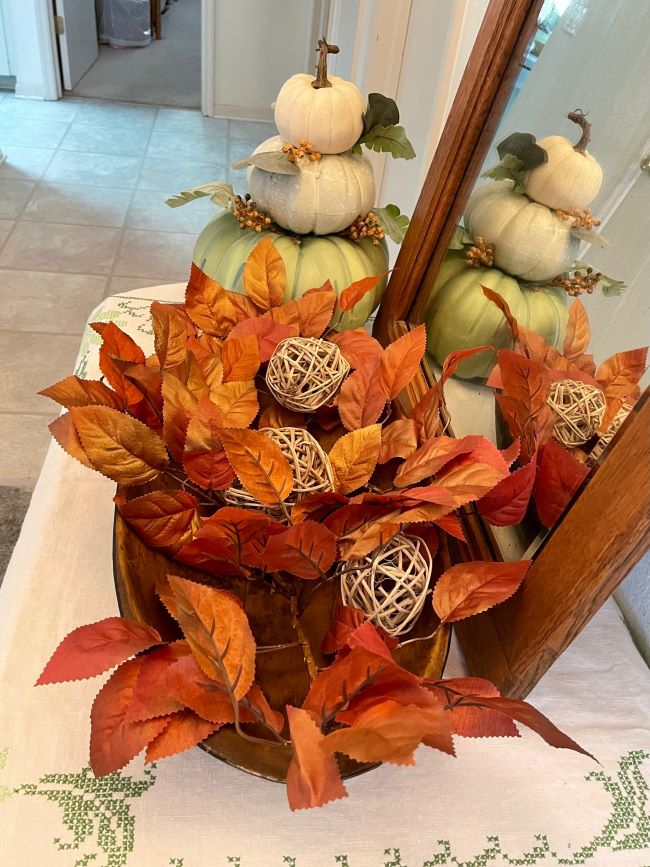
<point>305,373</point>
<point>579,408</point>
<point>390,584</point>
<point>605,438</point>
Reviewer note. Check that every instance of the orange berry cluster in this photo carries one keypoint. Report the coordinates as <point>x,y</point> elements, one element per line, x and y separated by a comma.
<point>247,214</point>
<point>481,254</point>
<point>581,218</point>
<point>304,149</point>
<point>366,227</point>
<point>578,283</point>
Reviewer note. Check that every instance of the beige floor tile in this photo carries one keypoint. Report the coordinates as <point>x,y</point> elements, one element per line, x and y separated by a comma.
<point>169,176</point>
<point>117,285</point>
<point>100,170</point>
<point>27,132</point>
<point>31,362</point>
<point>5,227</point>
<point>116,115</point>
<point>53,247</point>
<point>205,148</point>
<point>13,195</point>
<point>61,109</point>
<point>180,120</point>
<point>104,140</point>
<point>25,439</point>
<point>167,255</point>
<point>252,129</point>
<point>42,301</point>
<point>149,211</point>
<point>24,163</point>
<point>77,203</point>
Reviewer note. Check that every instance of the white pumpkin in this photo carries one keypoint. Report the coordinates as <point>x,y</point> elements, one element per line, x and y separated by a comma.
<point>325,197</point>
<point>571,177</point>
<point>530,241</point>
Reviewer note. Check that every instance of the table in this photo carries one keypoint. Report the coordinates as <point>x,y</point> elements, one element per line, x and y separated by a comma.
<point>511,801</point>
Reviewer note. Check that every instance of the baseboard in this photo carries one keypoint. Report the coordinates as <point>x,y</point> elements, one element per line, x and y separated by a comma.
<point>30,91</point>
<point>242,112</point>
<point>7,82</point>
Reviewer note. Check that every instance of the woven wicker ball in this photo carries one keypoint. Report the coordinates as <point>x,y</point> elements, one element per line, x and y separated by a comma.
<point>304,373</point>
<point>605,439</point>
<point>390,584</point>
<point>312,471</point>
<point>579,408</point>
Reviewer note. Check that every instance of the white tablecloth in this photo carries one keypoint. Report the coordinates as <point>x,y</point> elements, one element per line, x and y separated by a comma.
<point>511,801</point>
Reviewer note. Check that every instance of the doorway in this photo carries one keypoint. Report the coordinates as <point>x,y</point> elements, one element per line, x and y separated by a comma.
<point>131,51</point>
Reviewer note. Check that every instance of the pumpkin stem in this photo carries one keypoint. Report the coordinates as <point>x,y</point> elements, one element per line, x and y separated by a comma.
<point>578,116</point>
<point>324,48</point>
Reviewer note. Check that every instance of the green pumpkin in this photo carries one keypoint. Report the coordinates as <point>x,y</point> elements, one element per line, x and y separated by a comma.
<point>223,247</point>
<point>459,316</point>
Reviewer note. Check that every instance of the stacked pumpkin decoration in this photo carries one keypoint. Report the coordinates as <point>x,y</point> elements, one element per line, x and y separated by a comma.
<point>521,238</point>
<point>312,191</point>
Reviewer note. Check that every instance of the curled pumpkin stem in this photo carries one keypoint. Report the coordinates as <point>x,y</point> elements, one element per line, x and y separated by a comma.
<point>324,48</point>
<point>578,116</point>
<point>480,254</point>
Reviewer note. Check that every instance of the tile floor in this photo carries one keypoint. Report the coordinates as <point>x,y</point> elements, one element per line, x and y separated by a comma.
<point>82,216</point>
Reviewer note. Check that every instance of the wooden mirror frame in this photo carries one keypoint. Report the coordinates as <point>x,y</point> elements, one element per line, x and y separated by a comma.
<point>515,644</point>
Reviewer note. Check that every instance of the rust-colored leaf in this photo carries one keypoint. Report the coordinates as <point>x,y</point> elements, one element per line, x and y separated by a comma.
<point>400,361</point>
<point>267,332</point>
<point>359,543</point>
<point>190,373</point>
<point>315,310</point>
<point>362,397</point>
<point>438,451</point>
<point>120,447</point>
<point>399,439</point>
<point>259,464</point>
<point>313,778</point>
<point>275,415</point>
<point>470,588</point>
<point>507,502</point>
<point>468,481</point>
<point>204,457</point>
<point>241,533</point>
<point>620,374</point>
<point>578,332</point>
<point>183,731</point>
<point>208,305</point>
<point>357,346</point>
<point>117,347</point>
<point>156,690</point>
<point>171,327</point>
<point>162,519</point>
<point>92,649</point>
<point>218,633</point>
<point>242,306</point>
<point>317,507</point>
<point>524,380</point>
<point>344,621</point>
<point>502,304</point>
<point>426,414</point>
<point>558,478</point>
<point>357,290</point>
<point>469,721</point>
<point>240,357</point>
<point>73,391</point>
<point>354,458</point>
<point>179,408</point>
<point>65,433</point>
<point>265,278</point>
<point>451,362</point>
<point>306,550</point>
<point>237,402</point>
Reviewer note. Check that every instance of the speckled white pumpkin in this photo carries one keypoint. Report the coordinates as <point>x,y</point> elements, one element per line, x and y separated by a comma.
<point>569,179</point>
<point>530,241</point>
<point>325,197</point>
<point>329,118</point>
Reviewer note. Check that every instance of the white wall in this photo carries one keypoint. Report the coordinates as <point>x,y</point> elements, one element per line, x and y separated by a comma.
<point>5,65</point>
<point>27,31</point>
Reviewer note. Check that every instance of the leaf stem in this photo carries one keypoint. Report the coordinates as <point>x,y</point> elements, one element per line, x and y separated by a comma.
<point>303,641</point>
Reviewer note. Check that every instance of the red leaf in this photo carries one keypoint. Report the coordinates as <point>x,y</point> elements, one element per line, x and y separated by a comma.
<point>344,621</point>
<point>357,346</point>
<point>155,693</point>
<point>317,507</point>
<point>355,291</point>
<point>307,550</point>
<point>368,637</point>
<point>183,731</point>
<point>162,519</point>
<point>506,504</point>
<point>313,778</point>
<point>267,331</point>
<point>362,397</point>
<point>513,451</point>
<point>470,588</point>
<point>451,362</point>
<point>92,649</point>
<point>473,722</point>
<point>559,477</point>
<point>400,361</point>
<point>452,525</point>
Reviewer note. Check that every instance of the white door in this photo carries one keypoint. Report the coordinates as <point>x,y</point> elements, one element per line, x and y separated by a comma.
<point>78,42</point>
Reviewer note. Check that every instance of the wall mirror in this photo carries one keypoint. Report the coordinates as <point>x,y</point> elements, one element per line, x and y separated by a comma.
<point>542,219</point>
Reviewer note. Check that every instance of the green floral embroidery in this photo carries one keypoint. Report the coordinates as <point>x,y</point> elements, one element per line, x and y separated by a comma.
<point>125,310</point>
<point>5,791</point>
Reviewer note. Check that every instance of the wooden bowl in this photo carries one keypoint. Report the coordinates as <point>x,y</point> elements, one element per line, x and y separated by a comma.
<point>138,570</point>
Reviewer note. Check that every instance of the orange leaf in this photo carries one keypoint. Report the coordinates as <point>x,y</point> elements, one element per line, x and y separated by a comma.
<point>356,291</point>
<point>208,305</point>
<point>265,278</point>
<point>118,347</point>
<point>204,457</point>
<point>313,778</point>
<point>451,362</point>
<point>468,481</point>
<point>558,478</point>
<point>619,375</point>
<point>470,588</point>
<point>162,519</point>
<point>120,447</point>
<point>306,550</point>
<point>148,382</point>
<point>171,328</point>
<point>400,361</point>
<point>357,346</point>
<point>275,415</point>
<point>218,633</point>
<point>436,452</point>
<point>362,397</point>
<point>92,649</point>
<point>237,402</point>
<point>65,433</point>
<point>191,374</point>
<point>259,464</point>
<point>241,533</point>
<point>242,305</point>
<point>524,380</point>
<point>578,333</point>
<point>179,408</point>
<point>240,357</point>
<point>113,740</point>
<point>183,731</point>
<point>344,621</point>
<point>315,310</point>
<point>468,721</point>
<point>398,440</point>
<point>354,458</point>
<point>73,391</point>
<point>317,507</point>
<point>426,413</point>
<point>267,331</point>
<point>507,502</point>
<point>502,304</point>
<point>360,543</point>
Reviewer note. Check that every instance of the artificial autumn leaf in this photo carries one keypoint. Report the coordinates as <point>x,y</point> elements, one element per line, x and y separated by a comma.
<point>578,333</point>
<point>275,415</point>
<point>179,408</point>
<point>367,636</point>
<point>156,691</point>
<point>65,433</point>
<point>468,721</point>
<point>362,397</point>
<point>558,478</point>
<point>317,507</point>
<point>357,346</point>
<point>265,277</point>
<point>502,304</point>
<point>429,535</point>
<point>470,588</point>
<point>117,347</point>
<point>357,290</point>
<point>183,731</point>
<point>344,621</point>
<point>243,533</point>
<point>148,382</point>
<point>435,453</point>
<point>237,402</point>
<point>209,552</point>
<point>171,328</point>
<point>620,373</point>
<point>259,464</point>
<point>267,332</point>
<point>218,633</point>
<point>512,452</point>
<point>390,732</point>
<point>399,439</point>
<point>359,543</point>
<point>315,310</point>
<point>400,361</point>
<point>242,305</point>
<point>120,447</point>
<point>451,362</point>
<point>188,686</point>
<point>190,374</point>
<point>113,740</point>
<point>162,519</point>
<point>92,649</point>
<point>354,458</point>
<point>240,357</point>
<point>524,380</point>
<point>204,457</point>
<point>426,414</point>
<point>313,777</point>
<point>73,391</point>
<point>507,502</point>
<point>452,526</point>
<point>208,304</point>
<point>306,550</point>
